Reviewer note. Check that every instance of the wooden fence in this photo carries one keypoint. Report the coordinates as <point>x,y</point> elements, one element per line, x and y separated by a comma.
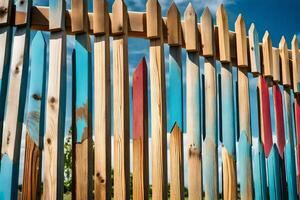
<point>259,133</point>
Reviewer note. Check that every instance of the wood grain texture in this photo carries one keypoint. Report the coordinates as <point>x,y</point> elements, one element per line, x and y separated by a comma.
<point>100,17</point>
<point>14,114</point>
<point>153,19</point>
<point>223,34</point>
<point>54,136</point>
<point>79,14</point>
<point>228,132</point>
<point>158,101</point>
<point>140,132</point>
<point>296,65</point>
<point>265,120</point>
<point>119,19</point>
<point>284,57</point>
<point>193,125</point>
<point>267,55</point>
<point>207,33</point>
<point>276,65</point>
<point>32,170</point>
<point>5,12</point>
<point>174,26</point>
<point>121,116</point>
<point>254,50</point>
<point>229,177</point>
<point>191,30</point>
<point>81,126</point>
<point>175,102</point>
<point>176,164</point>
<point>5,53</point>
<point>158,121</point>
<point>241,42</point>
<point>31,188</point>
<point>56,15</point>
<point>102,117</point>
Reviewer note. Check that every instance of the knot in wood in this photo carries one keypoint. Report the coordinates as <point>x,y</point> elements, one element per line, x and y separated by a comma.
<point>36,97</point>
<point>21,2</point>
<point>3,11</point>
<point>48,141</point>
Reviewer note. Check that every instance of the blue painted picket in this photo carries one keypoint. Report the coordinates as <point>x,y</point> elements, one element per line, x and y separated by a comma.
<point>175,106</point>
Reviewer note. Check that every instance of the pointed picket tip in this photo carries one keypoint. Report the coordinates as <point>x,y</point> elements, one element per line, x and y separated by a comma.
<point>282,43</point>
<point>252,28</point>
<point>295,42</point>
<point>153,19</point>
<point>119,17</point>
<point>189,11</point>
<point>175,129</point>
<point>207,33</point>
<point>266,36</point>
<point>221,13</point>
<point>240,21</point>
<point>206,15</point>
<point>39,37</point>
<point>174,25</point>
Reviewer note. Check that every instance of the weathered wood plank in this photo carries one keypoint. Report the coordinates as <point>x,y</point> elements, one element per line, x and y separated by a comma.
<point>241,42</point>
<point>102,109</point>
<point>284,57</point>
<point>174,26</point>
<point>81,128</point>
<point>14,115</point>
<point>267,55</point>
<point>224,45</point>
<point>191,30</point>
<point>207,33</point>
<point>24,8</point>
<point>55,115</point>
<point>254,50</point>
<point>79,14</point>
<point>176,163</point>
<point>100,17</point>
<point>296,65</point>
<point>5,53</point>
<point>158,101</point>
<point>193,126</point>
<point>276,66</point>
<point>193,106</point>
<point>121,101</point>
<point>140,132</point>
<point>31,188</point>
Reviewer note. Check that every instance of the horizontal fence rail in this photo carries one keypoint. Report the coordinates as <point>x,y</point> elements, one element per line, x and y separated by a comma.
<point>229,117</point>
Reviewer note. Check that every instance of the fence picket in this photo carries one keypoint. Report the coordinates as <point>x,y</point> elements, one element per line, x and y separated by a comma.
<point>15,107</point>
<point>140,132</point>
<point>193,105</point>
<point>35,120</point>
<point>175,105</point>
<point>82,105</point>
<point>158,100</point>
<point>121,100</point>
<point>289,143</point>
<point>56,103</point>
<point>102,95</point>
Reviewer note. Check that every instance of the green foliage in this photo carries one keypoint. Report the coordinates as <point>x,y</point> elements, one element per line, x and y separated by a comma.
<point>68,163</point>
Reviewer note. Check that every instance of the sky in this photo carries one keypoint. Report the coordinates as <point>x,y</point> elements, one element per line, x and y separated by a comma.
<point>277,16</point>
